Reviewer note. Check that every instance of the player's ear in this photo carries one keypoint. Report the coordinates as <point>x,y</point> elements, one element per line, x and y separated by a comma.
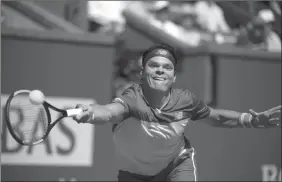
<point>174,78</point>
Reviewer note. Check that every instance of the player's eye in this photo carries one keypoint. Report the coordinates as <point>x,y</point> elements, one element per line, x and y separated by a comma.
<point>168,67</point>
<point>154,65</point>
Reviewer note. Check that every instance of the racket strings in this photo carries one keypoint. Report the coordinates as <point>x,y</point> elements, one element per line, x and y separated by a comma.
<point>29,122</point>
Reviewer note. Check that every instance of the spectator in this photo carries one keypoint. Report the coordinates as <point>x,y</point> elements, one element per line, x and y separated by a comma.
<point>258,34</point>
<point>210,16</point>
<point>128,68</point>
<point>107,15</point>
<point>272,41</point>
<point>263,24</point>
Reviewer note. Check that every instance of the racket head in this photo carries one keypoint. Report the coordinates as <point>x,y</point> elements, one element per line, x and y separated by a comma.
<point>27,123</point>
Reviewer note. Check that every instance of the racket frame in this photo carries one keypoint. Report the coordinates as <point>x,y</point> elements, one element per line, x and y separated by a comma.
<point>46,106</point>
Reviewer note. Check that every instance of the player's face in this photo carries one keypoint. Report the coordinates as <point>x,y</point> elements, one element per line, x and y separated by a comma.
<point>159,73</point>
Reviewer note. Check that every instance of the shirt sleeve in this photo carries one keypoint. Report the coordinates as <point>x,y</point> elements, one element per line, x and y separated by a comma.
<point>127,99</point>
<point>197,108</point>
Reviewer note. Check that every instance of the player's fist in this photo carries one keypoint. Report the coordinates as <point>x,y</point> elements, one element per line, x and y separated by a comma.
<point>85,115</point>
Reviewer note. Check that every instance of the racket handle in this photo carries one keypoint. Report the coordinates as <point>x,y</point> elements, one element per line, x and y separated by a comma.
<point>73,112</point>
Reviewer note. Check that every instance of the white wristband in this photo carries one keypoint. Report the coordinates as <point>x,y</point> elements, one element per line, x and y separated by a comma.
<point>246,120</point>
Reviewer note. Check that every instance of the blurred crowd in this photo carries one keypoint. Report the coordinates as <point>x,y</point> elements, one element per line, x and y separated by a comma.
<point>249,24</point>
<point>196,22</point>
<point>252,26</point>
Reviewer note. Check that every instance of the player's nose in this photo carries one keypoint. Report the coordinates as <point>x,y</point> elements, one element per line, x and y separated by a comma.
<point>160,71</point>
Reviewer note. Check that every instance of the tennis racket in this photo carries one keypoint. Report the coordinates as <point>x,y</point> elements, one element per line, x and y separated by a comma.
<point>30,124</point>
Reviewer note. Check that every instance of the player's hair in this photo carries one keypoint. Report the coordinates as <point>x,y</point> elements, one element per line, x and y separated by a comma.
<point>158,47</point>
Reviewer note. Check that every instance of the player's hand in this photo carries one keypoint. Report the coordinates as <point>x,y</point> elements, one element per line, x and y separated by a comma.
<point>85,116</point>
<point>267,119</point>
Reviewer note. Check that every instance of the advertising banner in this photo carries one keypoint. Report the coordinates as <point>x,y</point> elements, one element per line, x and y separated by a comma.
<point>68,143</point>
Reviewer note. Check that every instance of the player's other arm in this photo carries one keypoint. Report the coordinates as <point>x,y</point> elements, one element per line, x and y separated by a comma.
<point>229,118</point>
<point>102,114</point>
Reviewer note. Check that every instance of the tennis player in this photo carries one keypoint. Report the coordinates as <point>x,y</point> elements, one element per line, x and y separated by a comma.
<point>152,145</point>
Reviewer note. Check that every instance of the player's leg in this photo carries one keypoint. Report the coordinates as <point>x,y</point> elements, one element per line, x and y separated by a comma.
<point>186,171</point>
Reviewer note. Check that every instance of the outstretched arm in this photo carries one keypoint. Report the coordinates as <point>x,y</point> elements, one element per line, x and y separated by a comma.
<point>230,119</point>
<point>115,112</point>
<point>101,114</point>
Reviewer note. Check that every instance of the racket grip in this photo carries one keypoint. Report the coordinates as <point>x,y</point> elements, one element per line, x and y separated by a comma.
<point>73,112</point>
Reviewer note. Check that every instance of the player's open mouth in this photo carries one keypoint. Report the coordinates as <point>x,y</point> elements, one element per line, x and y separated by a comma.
<point>159,78</point>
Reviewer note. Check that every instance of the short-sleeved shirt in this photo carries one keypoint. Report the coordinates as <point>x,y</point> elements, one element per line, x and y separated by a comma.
<point>151,138</point>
